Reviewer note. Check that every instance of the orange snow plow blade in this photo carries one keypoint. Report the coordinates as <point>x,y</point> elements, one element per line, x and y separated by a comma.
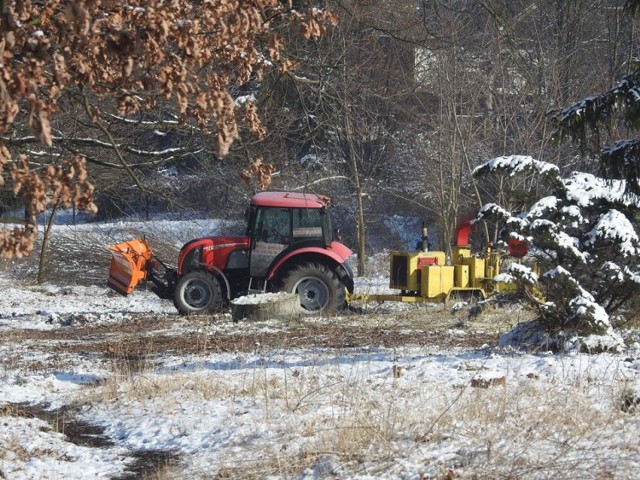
<point>128,265</point>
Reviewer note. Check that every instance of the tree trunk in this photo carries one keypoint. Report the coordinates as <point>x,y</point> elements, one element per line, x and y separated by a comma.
<point>362,234</point>
<point>45,243</point>
<point>355,176</point>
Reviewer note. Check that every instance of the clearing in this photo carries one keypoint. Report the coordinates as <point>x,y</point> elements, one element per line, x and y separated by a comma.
<point>98,385</point>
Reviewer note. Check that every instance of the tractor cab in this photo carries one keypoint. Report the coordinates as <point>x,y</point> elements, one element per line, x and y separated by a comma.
<point>279,223</point>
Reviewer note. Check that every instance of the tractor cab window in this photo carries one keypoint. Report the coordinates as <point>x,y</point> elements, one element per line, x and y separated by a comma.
<point>307,224</point>
<point>272,225</point>
<point>271,236</point>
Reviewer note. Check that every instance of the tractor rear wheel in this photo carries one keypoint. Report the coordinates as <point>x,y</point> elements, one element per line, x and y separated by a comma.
<point>318,287</point>
<point>197,292</point>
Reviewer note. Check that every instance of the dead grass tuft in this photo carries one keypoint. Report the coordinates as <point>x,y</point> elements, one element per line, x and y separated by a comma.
<point>630,400</point>
<point>14,410</point>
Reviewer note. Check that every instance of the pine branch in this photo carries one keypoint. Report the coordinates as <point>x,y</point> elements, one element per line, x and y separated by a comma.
<point>622,161</point>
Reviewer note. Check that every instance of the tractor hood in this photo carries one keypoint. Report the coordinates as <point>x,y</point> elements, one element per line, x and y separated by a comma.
<point>215,243</point>
<point>212,251</point>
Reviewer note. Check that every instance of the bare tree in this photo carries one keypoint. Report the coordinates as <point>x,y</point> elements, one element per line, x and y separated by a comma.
<point>487,74</point>
<point>344,106</point>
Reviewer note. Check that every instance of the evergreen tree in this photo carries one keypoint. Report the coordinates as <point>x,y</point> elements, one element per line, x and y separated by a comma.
<point>583,234</point>
<point>583,241</point>
<point>594,120</point>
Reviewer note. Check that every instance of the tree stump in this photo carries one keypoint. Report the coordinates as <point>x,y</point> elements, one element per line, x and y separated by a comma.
<point>265,306</point>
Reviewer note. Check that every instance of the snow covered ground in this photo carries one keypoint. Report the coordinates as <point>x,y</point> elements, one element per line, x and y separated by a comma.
<point>257,400</point>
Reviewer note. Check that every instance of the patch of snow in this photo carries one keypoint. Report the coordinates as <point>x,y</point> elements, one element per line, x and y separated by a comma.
<point>260,298</point>
<point>533,335</point>
<point>244,99</point>
<point>504,278</point>
<point>614,226</point>
<point>50,306</point>
<point>585,189</point>
<point>310,160</point>
<point>573,212</point>
<point>542,207</point>
<point>30,449</point>
<point>610,341</point>
<point>559,270</point>
<point>586,307</point>
<point>515,164</point>
<point>522,273</point>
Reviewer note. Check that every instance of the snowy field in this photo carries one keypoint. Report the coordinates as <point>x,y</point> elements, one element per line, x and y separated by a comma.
<point>95,385</point>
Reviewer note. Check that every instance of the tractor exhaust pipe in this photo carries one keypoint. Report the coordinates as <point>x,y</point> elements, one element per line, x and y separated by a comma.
<point>425,234</point>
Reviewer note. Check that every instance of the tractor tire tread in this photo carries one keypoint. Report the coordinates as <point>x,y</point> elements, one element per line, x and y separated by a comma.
<point>337,296</point>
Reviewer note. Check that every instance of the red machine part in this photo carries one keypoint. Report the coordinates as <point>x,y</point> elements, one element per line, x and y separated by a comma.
<point>517,248</point>
<point>463,232</point>
<point>427,262</point>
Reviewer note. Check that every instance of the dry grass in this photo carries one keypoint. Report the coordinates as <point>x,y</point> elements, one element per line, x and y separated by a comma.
<point>143,337</point>
<point>521,431</point>
<point>343,420</point>
<point>11,410</point>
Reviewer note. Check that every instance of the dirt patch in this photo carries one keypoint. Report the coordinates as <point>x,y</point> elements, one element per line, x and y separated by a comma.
<point>150,464</point>
<point>146,335</point>
<point>87,332</point>
<point>62,420</point>
<point>145,464</point>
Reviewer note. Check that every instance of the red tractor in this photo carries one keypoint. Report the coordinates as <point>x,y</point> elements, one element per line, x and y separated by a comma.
<point>288,246</point>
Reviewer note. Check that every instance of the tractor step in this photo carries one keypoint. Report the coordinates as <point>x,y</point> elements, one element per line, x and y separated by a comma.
<point>256,286</point>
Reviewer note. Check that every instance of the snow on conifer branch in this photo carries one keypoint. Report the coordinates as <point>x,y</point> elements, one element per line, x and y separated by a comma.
<point>515,165</point>
<point>582,122</point>
<point>614,228</point>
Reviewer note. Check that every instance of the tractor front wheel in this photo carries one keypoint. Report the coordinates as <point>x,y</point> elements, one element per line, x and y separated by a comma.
<point>318,287</point>
<point>197,292</point>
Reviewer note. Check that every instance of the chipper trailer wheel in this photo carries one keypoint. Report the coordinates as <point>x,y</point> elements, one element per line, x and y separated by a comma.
<point>197,292</point>
<point>318,287</point>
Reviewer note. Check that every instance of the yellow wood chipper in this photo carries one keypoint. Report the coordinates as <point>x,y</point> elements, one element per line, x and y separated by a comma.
<point>430,276</point>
